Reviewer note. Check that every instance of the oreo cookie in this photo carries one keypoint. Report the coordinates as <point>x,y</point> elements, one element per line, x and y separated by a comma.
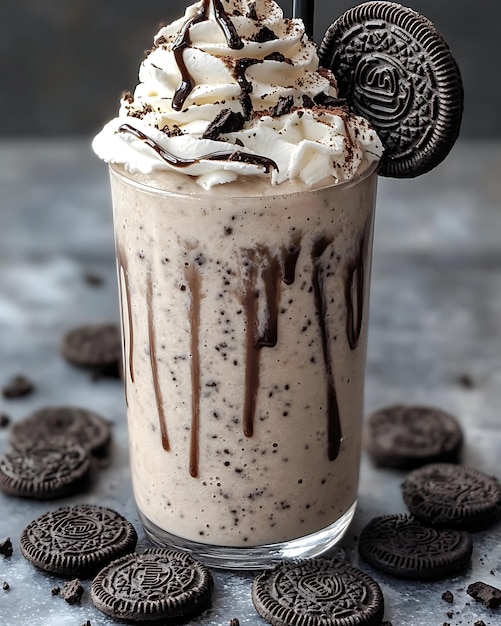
<point>159,584</point>
<point>77,540</point>
<point>444,494</point>
<point>402,546</point>
<point>47,469</point>
<point>96,347</point>
<point>407,437</point>
<point>396,70</point>
<point>89,429</point>
<point>318,592</point>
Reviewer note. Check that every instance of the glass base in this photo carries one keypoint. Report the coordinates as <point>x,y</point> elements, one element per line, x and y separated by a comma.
<point>259,557</point>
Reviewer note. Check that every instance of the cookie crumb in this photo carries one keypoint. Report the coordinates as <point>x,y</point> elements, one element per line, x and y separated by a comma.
<point>5,586</point>
<point>465,381</point>
<point>488,595</point>
<point>73,591</point>
<point>448,597</point>
<point>480,622</point>
<point>6,546</point>
<point>93,279</point>
<point>234,622</point>
<point>55,591</point>
<point>4,420</point>
<point>17,387</point>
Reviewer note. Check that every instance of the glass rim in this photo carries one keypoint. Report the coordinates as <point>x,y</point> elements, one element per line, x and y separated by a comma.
<point>122,173</point>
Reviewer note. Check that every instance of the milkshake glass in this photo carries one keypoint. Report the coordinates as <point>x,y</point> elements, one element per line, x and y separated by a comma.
<point>244,311</point>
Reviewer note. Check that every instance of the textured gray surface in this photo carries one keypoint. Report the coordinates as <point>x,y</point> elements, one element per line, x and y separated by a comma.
<point>436,315</point>
<point>64,64</point>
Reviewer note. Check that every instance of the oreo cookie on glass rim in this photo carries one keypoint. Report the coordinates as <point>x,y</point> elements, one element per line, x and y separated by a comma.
<point>402,546</point>
<point>159,584</point>
<point>47,469</point>
<point>318,592</point>
<point>77,540</point>
<point>407,437</point>
<point>397,71</point>
<point>456,496</point>
<point>90,430</point>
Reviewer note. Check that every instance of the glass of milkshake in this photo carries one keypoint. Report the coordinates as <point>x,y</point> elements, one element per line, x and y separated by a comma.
<point>243,196</point>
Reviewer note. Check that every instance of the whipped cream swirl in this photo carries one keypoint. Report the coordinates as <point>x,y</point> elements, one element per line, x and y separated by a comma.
<point>234,89</point>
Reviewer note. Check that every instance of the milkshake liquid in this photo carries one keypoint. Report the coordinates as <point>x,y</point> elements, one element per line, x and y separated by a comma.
<point>244,313</point>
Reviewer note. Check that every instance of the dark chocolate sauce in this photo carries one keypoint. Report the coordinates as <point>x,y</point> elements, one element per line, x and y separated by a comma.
<point>250,303</point>
<point>194,279</point>
<point>333,416</point>
<point>354,291</point>
<point>154,364</point>
<point>183,42</point>
<point>273,270</point>
<point>245,84</point>
<point>265,271</point>
<point>226,155</point>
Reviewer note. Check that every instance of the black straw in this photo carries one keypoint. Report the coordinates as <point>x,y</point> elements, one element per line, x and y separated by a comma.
<point>304,9</point>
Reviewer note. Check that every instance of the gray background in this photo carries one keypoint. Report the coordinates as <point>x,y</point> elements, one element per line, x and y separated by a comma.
<point>64,63</point>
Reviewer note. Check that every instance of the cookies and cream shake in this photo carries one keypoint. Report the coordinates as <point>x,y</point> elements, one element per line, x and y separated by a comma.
<point>243,194</point>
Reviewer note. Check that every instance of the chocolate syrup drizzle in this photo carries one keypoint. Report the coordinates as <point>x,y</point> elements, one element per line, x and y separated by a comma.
<point>264,272</point>
<point>321,304</point>
<point>183,42</point>
<point>354,292</point>
<point>154,363</point>
<point>273,271</point>
<point>194,279</point>
<point>225,155</point>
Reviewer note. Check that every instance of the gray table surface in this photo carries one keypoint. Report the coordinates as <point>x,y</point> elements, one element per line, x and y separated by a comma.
<point>435,317</point>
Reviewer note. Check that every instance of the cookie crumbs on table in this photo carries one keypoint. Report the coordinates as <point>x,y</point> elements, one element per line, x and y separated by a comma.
<point>17,387</point>
<point>4,420</point>
<point>5,586</point>
<point>6,546</point>
<point>73,591</point>
<point>55,591</point>
<point>448,597</point>
<point>488,595</point>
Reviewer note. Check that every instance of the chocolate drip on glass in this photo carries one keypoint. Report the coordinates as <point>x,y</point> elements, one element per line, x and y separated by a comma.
<point>154,364</point>
<point>183,42</point>
<point>354,293</point>
<point>194,279</point>
<point>226,155</point>
<point>333,416</point>
<point>273,271</point>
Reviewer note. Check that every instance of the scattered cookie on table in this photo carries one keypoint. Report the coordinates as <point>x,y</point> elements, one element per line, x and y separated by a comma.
<point>488,595</point>
<point>402,546</point>
<point>18,387</point>
<point>90,429</point>
<point>48,469</point>
<point>73,591</point>
<point>95,347</point>
<point>77,540</point>
<point>5,586</point>
<point>159,584</point>
<point>407,437</point>
<point>396,70</point>
<point>317,592</point>
<point>452,495</point>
